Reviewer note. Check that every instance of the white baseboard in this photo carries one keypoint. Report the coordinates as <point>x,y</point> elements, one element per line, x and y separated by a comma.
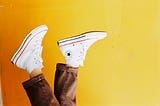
<point>0,88</point>
<point>0,95</point>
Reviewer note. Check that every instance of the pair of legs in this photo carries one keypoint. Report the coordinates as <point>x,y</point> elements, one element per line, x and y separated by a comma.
<point>28,57</point>
<point>40,93</point>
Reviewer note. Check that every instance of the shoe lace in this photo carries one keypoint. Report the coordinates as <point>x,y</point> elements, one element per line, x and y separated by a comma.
<point>37,51</point>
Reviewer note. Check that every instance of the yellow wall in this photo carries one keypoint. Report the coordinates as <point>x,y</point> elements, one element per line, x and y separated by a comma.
<point>122,70</point>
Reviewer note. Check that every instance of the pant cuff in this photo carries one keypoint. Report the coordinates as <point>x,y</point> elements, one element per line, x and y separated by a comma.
<point>65,67</point>
<point>32,81</point>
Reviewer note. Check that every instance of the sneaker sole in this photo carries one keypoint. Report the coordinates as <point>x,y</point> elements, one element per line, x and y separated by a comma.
<point>26,41</point>
<point>81,38</point>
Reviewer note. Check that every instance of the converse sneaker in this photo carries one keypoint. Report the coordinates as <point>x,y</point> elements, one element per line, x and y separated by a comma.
<point>28,56</point>
<point>74,49</point>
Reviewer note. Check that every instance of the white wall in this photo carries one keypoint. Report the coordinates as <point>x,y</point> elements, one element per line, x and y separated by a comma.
<point>0,88</point>
<point>0,98</point>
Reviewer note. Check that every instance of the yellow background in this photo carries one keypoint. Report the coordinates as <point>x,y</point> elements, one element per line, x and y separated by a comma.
<point>121,70</point>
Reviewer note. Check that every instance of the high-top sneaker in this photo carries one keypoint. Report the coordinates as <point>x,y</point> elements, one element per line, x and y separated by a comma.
<point>74,49</point>
<point>28,56</point>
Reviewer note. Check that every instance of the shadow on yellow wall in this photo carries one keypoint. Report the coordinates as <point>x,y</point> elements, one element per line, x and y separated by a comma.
<point>122,70</point>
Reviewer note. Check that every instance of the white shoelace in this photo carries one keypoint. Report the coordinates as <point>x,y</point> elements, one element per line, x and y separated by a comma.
<point>37,52</point>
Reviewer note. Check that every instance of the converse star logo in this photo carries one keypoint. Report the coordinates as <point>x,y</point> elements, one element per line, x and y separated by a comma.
<point>68,53</point>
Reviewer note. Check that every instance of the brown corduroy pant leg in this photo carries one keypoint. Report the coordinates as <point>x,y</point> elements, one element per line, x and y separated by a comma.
<point>40,93</point>
<point>65,84</point>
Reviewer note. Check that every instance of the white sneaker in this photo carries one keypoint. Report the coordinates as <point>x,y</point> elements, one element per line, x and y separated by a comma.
<point>28,56</point>
<point>74,49</point>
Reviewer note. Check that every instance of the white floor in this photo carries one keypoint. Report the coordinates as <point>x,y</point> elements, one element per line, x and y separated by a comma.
<point>0,91</point>
<point>0,102</point>
<point>0,97</point>
<point>0,88</point>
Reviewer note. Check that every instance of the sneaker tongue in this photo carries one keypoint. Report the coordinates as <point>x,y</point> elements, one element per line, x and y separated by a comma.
<point>39,54</point>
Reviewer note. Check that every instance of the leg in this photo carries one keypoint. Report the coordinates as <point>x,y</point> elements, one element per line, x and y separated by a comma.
<point>74,50</point>
<point>39,91</point>
<point>65,84</point>
<point>28,57</point>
